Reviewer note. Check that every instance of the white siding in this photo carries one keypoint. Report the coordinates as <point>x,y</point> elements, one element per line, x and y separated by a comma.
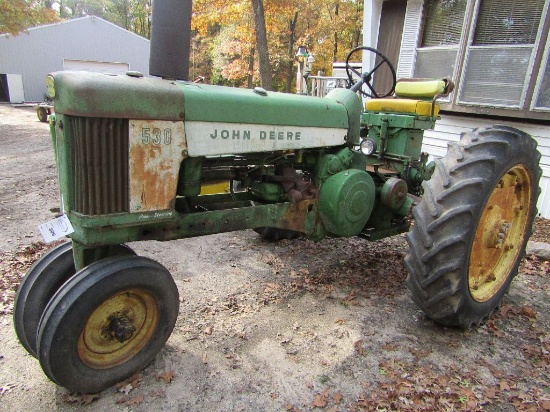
<point>448,129</point>
<point>41,50</point>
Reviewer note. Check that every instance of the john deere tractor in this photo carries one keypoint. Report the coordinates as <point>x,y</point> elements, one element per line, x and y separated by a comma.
<point>140,159</point>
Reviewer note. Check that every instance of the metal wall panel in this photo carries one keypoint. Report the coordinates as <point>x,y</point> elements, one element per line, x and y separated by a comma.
<point>41,50</point>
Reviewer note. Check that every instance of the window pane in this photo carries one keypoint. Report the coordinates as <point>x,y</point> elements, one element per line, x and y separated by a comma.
<point>495,76</point>
<point>544,93</point>
<point>435,63</point>
<point>508,21</point>
<point>444,21</point>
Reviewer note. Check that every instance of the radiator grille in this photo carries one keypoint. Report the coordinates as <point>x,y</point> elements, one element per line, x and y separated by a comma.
<point>99,165</point>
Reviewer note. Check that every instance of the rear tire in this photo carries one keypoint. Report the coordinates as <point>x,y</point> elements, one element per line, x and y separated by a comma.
<point>472,225</point>
<point>274,234</point>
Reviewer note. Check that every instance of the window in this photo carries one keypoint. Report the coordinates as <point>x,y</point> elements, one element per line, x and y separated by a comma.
<point>498,61</point>
<point>493,50</point>
<point>443,27</point>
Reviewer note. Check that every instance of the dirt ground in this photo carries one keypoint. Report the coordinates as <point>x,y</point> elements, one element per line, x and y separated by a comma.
<point>288,326</point>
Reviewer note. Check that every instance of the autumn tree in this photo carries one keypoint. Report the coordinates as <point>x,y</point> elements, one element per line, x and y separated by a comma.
<point>228,30</point>
<point>18,15</point>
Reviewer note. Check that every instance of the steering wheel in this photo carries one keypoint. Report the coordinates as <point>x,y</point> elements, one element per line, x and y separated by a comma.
<point>366,78</point>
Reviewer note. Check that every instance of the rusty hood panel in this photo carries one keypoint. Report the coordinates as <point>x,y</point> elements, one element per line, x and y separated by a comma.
<point>156,151</point>
<point>121,96</point>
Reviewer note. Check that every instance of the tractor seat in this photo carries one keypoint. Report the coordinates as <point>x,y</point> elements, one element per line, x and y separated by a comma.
<point>413,96</point>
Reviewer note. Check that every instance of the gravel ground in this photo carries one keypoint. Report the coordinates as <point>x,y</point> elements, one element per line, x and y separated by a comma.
<point>288,326</point>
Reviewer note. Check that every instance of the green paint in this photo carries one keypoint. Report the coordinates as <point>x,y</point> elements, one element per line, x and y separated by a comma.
<point>189,181</point>
<point>346,202</point>
<point>98,231</point>
<point>105,95</point>
<point>209,103</point>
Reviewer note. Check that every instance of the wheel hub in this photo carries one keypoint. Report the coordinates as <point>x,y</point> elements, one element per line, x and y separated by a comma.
<point>120,327</point>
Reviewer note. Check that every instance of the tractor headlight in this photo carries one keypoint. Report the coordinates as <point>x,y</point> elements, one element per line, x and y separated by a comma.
<point>50,87</point>
<point>368,147</point>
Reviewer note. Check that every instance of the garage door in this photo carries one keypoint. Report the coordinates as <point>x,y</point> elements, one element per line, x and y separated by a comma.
<point>94,66</point>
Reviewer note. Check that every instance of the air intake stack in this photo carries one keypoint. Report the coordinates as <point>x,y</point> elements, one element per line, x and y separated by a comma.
<point>170,39</point>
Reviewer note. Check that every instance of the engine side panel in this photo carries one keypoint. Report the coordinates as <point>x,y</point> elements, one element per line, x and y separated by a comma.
<point>217,138</point>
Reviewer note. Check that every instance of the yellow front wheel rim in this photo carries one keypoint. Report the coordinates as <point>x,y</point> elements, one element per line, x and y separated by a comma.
<point>118,329</point>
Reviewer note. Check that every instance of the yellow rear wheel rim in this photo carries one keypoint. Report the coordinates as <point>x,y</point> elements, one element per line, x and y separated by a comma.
<point>500,234</point>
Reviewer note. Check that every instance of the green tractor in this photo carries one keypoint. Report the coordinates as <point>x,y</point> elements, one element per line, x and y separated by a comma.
<point>140,159</point>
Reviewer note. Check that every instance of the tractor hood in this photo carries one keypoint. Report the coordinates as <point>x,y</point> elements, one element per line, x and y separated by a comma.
<point>218,120</point>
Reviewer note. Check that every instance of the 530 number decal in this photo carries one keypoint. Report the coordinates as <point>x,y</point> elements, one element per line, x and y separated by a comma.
<point>156,136</point>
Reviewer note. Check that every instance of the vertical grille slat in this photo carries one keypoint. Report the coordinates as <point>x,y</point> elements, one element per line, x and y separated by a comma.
<point>99,165</point>
<point>122,167</point>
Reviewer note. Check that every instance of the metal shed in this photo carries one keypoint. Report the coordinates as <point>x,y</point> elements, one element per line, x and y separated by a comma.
<point>41,50</point>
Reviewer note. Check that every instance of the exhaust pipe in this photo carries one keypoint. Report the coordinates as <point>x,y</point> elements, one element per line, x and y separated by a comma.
<point>170,39</point>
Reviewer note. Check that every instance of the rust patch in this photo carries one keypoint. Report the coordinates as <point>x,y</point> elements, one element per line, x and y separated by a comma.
<point>155,152</point>
<point>296,215</point>
<point>301,191</point>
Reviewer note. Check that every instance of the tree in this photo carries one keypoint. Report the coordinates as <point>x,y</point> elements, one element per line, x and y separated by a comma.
<point>18,15</point>
<point>261,44</point>
<point>229,30</point>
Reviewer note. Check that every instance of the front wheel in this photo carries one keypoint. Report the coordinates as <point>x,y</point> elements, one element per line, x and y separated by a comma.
<point>40,284</point>
<point>42,114</point>
<point>472,226</point>
<point>107,322</point>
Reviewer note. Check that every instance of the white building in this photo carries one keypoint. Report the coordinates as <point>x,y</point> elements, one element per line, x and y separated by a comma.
<point>86,43</point>
<point>496,51</point>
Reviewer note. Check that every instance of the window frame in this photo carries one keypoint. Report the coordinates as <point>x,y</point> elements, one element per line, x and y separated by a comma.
<point>544,65</point>
<point>532,83</point>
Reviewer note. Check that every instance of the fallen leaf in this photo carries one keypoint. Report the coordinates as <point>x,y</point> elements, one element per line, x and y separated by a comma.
<point>529,312</point>
<point>137,400</point>
<point>358,345</point>
<point>157,393</point>
<point>319,401</point>
<point>167,376</point>
<point>504,385</point>
<point>81,399</point>
<point>337,397</point>
<point>491,393</point>
<point>129,384</point>
<point>125,389</point>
